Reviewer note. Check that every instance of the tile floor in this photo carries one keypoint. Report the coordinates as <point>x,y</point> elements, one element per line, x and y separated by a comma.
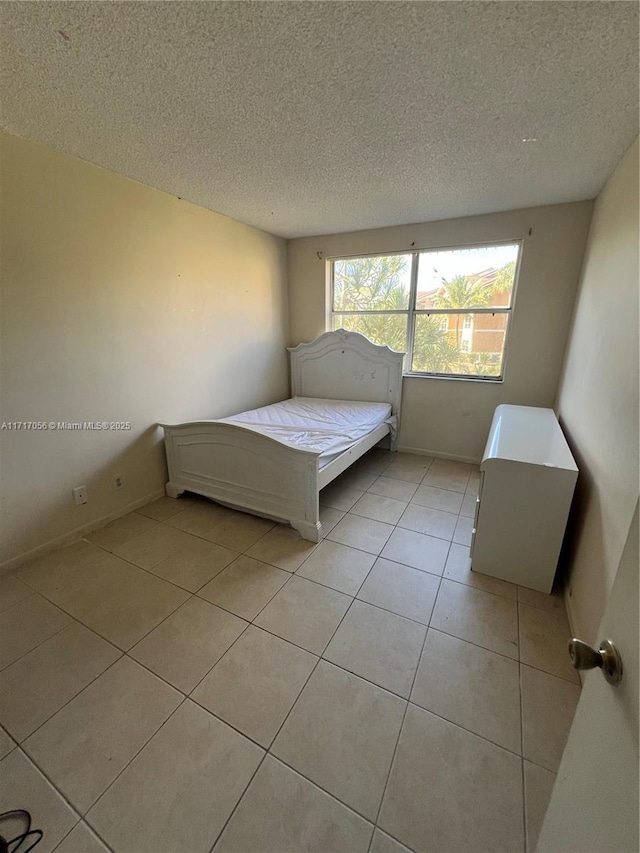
<point>190,678</point>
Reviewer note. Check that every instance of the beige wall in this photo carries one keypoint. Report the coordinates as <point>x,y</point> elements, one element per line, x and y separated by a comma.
<point>448,416</point>
<point>598,398</point>
<point>120,303</point>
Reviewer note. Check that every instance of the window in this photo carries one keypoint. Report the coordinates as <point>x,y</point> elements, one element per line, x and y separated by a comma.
<point>448,309</point>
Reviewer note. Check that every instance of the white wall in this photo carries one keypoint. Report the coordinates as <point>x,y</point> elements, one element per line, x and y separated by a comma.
<point>598,398</point>
<point>448,416</point>
<point>120,303</point>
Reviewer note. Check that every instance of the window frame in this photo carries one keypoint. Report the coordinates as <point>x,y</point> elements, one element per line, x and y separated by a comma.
<point>412,312</point>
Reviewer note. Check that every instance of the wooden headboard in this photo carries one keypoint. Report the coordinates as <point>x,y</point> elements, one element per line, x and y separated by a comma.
<point>347,366</point>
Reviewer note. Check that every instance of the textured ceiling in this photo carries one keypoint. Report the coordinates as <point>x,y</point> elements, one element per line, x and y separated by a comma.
<point>313,117</point>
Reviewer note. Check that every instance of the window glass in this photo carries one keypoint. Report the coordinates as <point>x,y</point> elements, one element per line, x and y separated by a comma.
<point>372,284</point>
<point>383,329</point>
<point>452,321</point>
<point>466,278</point>
<point>454,352</point>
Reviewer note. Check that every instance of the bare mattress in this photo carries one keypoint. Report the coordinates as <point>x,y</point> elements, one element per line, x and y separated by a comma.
<point>328,427</point>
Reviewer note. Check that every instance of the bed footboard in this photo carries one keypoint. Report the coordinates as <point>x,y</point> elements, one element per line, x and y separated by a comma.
<point>244,469</point>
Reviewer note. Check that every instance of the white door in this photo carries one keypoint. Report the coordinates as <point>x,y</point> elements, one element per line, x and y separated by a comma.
<point>594,804</point>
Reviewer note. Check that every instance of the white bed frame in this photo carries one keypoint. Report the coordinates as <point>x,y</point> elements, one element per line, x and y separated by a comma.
<point>246,470</point>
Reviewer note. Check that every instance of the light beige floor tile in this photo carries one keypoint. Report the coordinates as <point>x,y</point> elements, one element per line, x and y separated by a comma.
<point>58,572</point>
<point>442,499</point>
<point>538,784</point>
<point>455,466</point>
<point>468,507</point>
<point>27,624</point>
<point>401,589</point>
<point>341,734</point>
<point>77,568</point>
<point>191,571</point>
<point>122,530</point>
<point>405,457</point>
<point>473,486</point>
<point>450,790</point>
<point>383,843</point>
<point>164,507</point>
<point>200,518</point>
<point>369,463</point>
<point>24,787</point>
<point>432,522</point>
<point>379,508</point>
<point>89,741</point>
<point>554,601</point>
<point>134,610</point>
<point>329,517</point>
<point>376,459</point>
<point>474,476</point>
<point>6,744</point>
<point>180,790</point>
<point>337,566</point>
<point>358,478</point>
<point>548,706</point>
<point>445,474</point>
<point>471,687</point>
<point>377,645</point>
<point>81,840</point>
<point>112,597</point>
<point>282,547</point>
<point>410,470</point>
<point>464,529</point>
<point>363,467</point>
<point>388,487</point>
<point>245,587</point>
<point>426,553</point>
<point>363,533</point>
<point>339,496</point>
<point>184,647</point>
<point>121,602</point>
<point>239,531</point>
<point>282,812</point>
<point>153,546</point>
<point>255,684</point>
<point>480,617</point>
<point>12,591</point>
<point>33,688</point>
<point>305,613</point>
<point>544,638</point>
<point>458,568</point>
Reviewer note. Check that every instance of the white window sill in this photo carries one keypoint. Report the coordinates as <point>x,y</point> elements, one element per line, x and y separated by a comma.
<point>490,380</point>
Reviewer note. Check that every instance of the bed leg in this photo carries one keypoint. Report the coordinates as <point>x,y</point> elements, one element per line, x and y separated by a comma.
<point>173,491</point>
<point>309,531</point>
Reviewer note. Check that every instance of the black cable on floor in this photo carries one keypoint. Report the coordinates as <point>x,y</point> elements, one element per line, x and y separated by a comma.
<point>14,845</point>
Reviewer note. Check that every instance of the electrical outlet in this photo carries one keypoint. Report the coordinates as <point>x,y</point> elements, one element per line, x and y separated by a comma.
<point>119,481</point>
<point>80,495</point>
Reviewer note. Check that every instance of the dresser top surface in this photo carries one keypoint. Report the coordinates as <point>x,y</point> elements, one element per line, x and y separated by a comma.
<point>528,434</point>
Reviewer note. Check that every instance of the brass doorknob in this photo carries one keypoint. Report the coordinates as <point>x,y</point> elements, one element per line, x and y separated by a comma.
<point>607,658</point>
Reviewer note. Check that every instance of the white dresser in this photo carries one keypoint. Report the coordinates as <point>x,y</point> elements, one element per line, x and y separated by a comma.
<point>526,485</point>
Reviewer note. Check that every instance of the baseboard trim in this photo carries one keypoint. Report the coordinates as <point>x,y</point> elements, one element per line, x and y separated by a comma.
<point>77,534</point>
<point>454,457</point>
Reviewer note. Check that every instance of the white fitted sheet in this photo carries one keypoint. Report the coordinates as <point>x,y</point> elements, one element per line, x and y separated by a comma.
<point>326,426</point>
